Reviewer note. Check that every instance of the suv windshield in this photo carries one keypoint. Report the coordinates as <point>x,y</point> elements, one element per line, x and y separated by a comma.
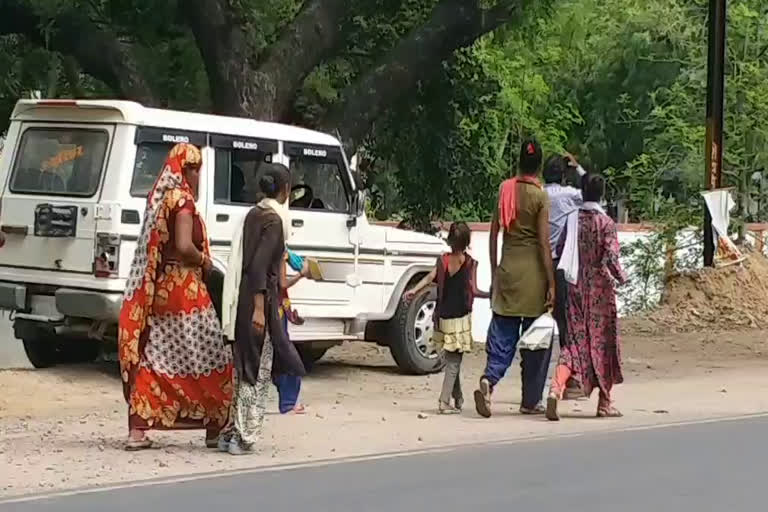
<point>59,161</point>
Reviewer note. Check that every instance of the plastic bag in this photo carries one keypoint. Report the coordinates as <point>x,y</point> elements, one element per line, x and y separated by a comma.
<point>295,261</point>
<point>540,334</point>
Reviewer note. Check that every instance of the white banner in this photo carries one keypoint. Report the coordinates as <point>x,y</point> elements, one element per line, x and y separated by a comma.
<point>720,203</point>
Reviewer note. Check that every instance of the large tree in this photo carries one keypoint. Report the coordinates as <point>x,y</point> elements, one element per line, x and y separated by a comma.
<point>257,55</point>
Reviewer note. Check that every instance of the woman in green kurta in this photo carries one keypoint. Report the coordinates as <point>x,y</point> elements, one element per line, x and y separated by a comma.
<point>521,279</point>
<point>523,284</point>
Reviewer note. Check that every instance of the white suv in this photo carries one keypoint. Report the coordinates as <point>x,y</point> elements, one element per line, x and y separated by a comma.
<point>74,177</point>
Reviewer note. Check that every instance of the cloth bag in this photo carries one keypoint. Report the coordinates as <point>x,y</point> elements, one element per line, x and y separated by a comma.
<point>540,334</point>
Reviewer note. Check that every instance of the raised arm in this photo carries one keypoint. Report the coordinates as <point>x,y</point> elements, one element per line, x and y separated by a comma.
<point>576,196</point>
<point>611,252</point>
<point>545,250</point>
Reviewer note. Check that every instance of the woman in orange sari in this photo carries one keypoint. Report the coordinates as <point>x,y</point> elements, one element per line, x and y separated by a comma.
<point>175,367</point>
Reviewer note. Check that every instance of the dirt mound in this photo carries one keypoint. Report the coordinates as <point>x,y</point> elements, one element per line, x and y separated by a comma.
<point>712,300</point>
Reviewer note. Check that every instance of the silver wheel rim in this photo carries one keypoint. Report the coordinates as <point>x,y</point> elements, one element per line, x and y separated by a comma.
<point>423,327</point>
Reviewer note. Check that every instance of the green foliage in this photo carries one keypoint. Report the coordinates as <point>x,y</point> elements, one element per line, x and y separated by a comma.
<point>620,83</point>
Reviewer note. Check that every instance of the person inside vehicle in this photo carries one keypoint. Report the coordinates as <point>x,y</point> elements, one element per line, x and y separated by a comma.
<point>237,185</point>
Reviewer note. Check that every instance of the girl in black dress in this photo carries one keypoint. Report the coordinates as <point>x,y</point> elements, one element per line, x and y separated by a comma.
<point>455,274</point>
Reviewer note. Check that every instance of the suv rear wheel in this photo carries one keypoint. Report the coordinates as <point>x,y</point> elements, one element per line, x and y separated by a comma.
<point>409,334</point>
<point>41,351</point>
<point>44,348</point>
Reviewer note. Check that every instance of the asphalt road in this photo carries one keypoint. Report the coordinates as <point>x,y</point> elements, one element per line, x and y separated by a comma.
<point>706,467</point>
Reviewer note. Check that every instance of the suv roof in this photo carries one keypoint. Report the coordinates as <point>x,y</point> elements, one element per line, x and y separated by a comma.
<point>128,112</point>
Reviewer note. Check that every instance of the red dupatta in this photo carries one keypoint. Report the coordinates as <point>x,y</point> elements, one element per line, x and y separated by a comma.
<point>508,199</point>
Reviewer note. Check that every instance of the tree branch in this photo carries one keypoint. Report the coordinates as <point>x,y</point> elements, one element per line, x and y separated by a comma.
<point>301,46</point>
<point>98,51</point>
<point>264,89</point>
<point>453,24</point>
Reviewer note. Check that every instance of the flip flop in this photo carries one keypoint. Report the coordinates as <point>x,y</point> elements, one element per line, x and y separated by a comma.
<point>536,411</point>
<point>610,412</point>
<point>298,410</point>
<point>446,409</point>
<point>138,445</point>
<point>574,394</point>
<point>483,399</point>
<point>552,414</point>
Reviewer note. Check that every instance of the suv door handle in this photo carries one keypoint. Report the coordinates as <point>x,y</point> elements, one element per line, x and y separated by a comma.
<point>297,223</point>
<point>222,217</point>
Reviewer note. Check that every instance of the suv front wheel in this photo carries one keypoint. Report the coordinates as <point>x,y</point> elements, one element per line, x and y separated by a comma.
<point>409,334</point>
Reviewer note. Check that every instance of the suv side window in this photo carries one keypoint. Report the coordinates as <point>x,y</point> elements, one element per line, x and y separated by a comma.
<point>319,178</point>
<point>152,148</point>
<point>150,157</point>
<point>238,168</point>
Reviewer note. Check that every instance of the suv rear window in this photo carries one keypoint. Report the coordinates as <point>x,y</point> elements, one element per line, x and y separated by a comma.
<point>60,162</point>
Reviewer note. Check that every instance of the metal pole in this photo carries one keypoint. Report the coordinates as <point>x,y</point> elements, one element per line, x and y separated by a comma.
<point>715,99</point>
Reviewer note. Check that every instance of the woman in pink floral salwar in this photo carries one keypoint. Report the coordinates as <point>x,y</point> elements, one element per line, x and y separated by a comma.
<point>591,354</point>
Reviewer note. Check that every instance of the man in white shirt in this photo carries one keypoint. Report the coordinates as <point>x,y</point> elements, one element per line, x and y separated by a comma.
<point>563,199</point>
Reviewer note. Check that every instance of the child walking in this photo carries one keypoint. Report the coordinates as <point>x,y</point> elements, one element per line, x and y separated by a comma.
<point>456,277</point>
<point>289,386</point>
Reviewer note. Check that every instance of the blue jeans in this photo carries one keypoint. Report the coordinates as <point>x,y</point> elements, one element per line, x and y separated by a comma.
<point>288,386</point>
<point>503,335</point>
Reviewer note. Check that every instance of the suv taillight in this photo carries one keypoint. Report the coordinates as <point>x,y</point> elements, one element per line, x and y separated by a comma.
<point>106,255</point>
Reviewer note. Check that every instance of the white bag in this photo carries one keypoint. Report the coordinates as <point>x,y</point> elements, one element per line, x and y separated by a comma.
<point>540,334</point>
<point>569,259</point>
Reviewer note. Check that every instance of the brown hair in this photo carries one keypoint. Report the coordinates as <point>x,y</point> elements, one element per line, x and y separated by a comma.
<point>459,236</point>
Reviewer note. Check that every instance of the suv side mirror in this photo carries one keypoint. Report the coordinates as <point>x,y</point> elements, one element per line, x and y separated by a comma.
<point>360,203</point>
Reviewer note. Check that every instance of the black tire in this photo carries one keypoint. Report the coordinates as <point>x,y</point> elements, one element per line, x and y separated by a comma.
<point>310,355</point>
<point>78,350</point>
<point>401,335</point>
<point>42,351</point>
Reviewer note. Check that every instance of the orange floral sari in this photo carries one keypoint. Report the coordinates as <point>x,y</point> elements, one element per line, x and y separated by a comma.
<point>175,367</point>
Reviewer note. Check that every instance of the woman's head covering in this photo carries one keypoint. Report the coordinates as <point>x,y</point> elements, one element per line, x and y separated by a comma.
<point>172,174</point>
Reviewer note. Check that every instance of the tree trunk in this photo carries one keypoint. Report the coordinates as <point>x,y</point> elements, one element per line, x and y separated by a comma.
<point>453,24</point>
<point>72,74</point>
<point>263,89</point>
<point>223,46</point>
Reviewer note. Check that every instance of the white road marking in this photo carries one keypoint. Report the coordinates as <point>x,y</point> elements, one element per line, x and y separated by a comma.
<point>365,458</point>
